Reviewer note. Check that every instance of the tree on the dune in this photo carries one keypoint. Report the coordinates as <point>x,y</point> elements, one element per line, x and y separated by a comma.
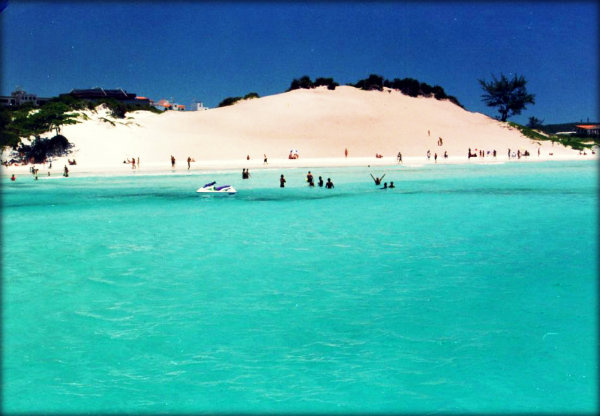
<point>535,123</point>
<point>509,95</point>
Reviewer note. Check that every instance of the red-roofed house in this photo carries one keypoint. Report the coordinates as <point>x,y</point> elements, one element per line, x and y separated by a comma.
<point>588,130</point>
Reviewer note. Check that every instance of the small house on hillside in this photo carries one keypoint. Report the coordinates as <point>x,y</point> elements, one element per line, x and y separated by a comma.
<point>588,130</point>
<point>166,105</point>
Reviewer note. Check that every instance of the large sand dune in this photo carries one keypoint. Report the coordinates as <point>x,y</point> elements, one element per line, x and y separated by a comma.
<point>319,123</point>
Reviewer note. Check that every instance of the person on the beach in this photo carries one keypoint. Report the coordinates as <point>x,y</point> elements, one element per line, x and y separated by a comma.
<point>399,157</point>
<point>309,178</point>
<point>265,161</point>
<point>66,172</point>
<point>138,165</point>
<point>329,184</point>
<point>428,154</point>
<point>248,157</point>
<point>509,153</point>
<point>346,152</point>
<point>445,154</point>
<point>392,185</point>
<point>494,153</point>
<point>282,182</point>
<point>133,163</point>
<point>13,178</point>
<point>435,157</point>
<point>189,160</point>
<point>172,161</point>
<point>320,181</point>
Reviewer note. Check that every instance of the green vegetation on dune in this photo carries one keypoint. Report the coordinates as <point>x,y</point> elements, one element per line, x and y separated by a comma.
<point>574,142</point>
<point>25,121</point>
<point>232,100</point>
<point>407,86</point>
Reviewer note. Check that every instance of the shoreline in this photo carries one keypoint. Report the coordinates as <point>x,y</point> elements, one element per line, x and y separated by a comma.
<point>154,168</point>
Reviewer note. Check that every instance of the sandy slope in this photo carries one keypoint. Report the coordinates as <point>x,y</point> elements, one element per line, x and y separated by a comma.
<point>319,123</point>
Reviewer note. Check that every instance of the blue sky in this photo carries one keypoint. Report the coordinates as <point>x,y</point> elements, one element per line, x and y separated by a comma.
<point>210,50</point>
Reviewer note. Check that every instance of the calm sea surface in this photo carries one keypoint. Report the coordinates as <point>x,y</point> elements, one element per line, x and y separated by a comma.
<point>468,288</point>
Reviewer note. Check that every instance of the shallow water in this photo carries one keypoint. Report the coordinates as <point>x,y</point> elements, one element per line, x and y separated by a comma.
<point>468,288</point>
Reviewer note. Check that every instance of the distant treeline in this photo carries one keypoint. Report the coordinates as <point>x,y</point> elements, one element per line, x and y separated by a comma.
<point>407,86</point>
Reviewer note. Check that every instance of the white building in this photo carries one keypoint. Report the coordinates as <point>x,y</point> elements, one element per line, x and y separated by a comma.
<point>19,97</point>
<point>198,106</point>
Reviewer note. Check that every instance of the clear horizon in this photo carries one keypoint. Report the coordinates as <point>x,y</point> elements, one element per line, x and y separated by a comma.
<point>208,51</point>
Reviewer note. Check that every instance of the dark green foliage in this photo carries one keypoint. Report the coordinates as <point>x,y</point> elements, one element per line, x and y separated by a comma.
<point>42,148</point>
<point>27,121</point>
<point>229,101</point>
<point>509,95</point>
<point>408,86</point>
<point>374,82</point>
<point>577,143</point>
<point>117,109</point>
<point>306,83</point>
<point>232,100</point>
<point>535,123</point>
<point>326,82</point>
<point>426,89</point>
<point>414,88</point>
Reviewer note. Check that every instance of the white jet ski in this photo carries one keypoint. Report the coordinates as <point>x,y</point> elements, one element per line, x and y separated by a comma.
<point>210,188</point>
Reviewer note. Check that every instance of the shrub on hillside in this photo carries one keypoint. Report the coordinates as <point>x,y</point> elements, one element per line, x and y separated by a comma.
<point>42,148</point>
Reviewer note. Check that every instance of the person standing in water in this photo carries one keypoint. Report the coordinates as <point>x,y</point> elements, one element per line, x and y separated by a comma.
<point>282,182</point>
<point>320,181</point>
<point>329,184</point>
<point>377,180</point>
<point>309,179</point>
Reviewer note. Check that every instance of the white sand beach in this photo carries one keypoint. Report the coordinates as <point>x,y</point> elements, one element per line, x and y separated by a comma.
<point>319,123</point>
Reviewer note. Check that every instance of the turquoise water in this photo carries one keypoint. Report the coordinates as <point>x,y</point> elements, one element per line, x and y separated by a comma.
<point>468,288</point>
